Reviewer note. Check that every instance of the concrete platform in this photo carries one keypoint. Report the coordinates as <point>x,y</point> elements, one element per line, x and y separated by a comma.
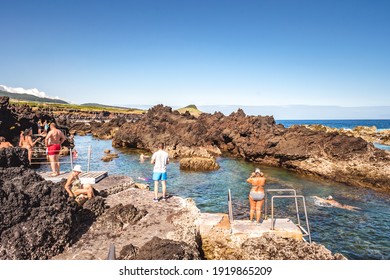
<point>91,177</point>
<point>283,227</point>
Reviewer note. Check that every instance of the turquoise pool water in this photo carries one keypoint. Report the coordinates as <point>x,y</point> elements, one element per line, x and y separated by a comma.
<point>363,234</point>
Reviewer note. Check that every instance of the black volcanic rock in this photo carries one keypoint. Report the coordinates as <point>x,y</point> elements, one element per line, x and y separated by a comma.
<point>17,118</point>
<point>37,217</point>
<point>163,249</point>
<point>14,157</point>
<point>258,138</point>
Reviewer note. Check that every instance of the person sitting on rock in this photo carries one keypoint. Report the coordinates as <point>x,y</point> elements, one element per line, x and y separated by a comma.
<point>4,143</point>
<point>256,195</point>
<point>26,142</point>
<point>329,201</point>
<point>75,189</point>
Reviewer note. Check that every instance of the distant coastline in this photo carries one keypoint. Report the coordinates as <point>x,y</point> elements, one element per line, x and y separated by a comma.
<point>346,124</point>
<point>295,112</point>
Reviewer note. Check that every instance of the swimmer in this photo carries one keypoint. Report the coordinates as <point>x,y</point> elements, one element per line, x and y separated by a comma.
<point>142,157</point>
<point>143,179</point>
<point>329,201</point>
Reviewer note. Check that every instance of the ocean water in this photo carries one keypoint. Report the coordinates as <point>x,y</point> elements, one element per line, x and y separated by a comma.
<point>346,124</point>
<point>363,234</point>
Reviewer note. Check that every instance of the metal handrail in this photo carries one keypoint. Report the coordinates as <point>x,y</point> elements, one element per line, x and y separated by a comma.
<point>230,206</point>
<point>89,154</point>
<point>280,190</point>
<point>111,253</point>
<point>307,233</point>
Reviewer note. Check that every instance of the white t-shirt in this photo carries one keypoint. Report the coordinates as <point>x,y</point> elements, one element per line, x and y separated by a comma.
<point>160,159</point>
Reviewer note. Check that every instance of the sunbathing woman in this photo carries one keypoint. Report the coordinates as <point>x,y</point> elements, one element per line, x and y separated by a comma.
<point>256,195</point>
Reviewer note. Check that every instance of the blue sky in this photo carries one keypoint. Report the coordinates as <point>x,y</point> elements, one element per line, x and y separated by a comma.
<point>264,52</point>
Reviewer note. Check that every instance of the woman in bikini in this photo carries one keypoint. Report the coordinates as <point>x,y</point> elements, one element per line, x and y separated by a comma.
<point>26,142</point>
<point>75,189</point>
<point>256,195</point>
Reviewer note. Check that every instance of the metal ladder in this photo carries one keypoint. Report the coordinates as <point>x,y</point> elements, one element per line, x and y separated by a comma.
<point>306,232</point>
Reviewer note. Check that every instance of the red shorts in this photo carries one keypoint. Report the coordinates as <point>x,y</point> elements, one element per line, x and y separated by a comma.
<point>53,149</point>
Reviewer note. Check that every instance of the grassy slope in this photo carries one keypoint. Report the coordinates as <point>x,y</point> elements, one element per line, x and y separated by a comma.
<point>30,98</point>
<point>192,109</point>
<point>83,108</point>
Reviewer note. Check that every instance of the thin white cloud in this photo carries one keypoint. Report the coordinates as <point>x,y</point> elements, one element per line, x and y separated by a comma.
<point>32,91</point>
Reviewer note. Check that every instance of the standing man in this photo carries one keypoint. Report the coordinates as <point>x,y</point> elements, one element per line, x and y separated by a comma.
<point>160,160</point>
<point>53,142</point>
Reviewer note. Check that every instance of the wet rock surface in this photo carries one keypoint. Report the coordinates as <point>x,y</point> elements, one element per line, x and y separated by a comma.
<point>259,139</point>
<point>198,164</point>
<point>37,219</point>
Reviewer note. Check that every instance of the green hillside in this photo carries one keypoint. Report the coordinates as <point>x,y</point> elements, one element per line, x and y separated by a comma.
<point>192,109</point>
<point>29,97</point>
<point>97,105</point>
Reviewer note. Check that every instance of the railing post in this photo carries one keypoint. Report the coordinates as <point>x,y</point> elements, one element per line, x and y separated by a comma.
<point>272,213</point>
<point>111,253</point>
<point>296,207</point>
<point>71,159</point>
<point>307,220</point>
<point>230,206</point>
<point>304,208</point>
<point>89,157</point>
<point>265,205</point>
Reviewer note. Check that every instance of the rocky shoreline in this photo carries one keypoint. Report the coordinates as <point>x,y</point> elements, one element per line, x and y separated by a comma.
<point>329,155</point>
<point>339,155</point>
<point>39,221</point>
<point>368,133</point>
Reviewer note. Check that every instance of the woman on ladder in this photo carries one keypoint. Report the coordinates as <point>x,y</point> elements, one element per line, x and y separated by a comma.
<point>256,195</point>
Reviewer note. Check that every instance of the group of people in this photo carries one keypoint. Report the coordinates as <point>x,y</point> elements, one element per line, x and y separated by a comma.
<point>43,127</point>
<point>83,192</point>
<point>53,141</point>
<point>256,180</point>
<point>159,159</point>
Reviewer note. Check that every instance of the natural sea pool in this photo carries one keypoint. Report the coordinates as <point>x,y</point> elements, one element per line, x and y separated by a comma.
<point>363,234</point>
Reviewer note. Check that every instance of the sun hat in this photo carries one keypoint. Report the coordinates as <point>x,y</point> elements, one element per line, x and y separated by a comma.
<point>257,170</point>
<point>77,168</point>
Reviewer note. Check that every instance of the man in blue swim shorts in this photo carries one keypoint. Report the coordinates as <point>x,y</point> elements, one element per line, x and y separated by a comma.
<point>160,160</point>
